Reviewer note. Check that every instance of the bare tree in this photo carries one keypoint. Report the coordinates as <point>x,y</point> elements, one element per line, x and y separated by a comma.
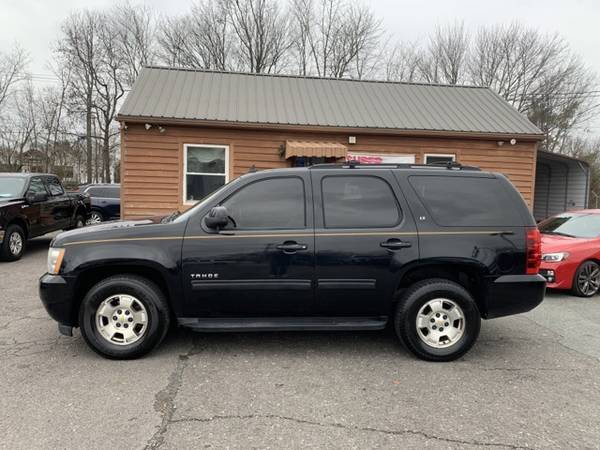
<point>201,39</point>
<point>446,57</point>
<point>336,38</point>
<point>17,129</point>
<point>538,74</point>
<point>78,48</point>
<point>109,75</point>
<point>402,63</point>
<point>134,30</point>
<point>261,28</point>
<point>302,20</point>
<point>12,70</point>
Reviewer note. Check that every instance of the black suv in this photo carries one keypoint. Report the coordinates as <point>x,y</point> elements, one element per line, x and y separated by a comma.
<point>106,201</point>
<point>33,204</point>
<point>430,250</point>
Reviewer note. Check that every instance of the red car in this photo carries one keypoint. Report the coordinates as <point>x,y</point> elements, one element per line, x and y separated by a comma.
<point>571,251</point>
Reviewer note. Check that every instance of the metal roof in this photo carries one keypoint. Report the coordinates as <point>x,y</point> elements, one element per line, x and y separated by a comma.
<point>241,98</point>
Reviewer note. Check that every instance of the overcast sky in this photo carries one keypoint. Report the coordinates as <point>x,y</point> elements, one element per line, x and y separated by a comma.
<point>35,24</point>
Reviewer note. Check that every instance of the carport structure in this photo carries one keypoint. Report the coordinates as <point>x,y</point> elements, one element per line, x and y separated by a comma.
<point>561,184</point>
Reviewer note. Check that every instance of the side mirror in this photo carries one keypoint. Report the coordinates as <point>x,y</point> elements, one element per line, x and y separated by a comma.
<point>36,198</point>
<point>217,217</point>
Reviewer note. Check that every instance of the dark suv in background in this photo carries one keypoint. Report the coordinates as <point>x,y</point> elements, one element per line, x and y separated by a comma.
<point>105,200</point>
<point>429,250</point>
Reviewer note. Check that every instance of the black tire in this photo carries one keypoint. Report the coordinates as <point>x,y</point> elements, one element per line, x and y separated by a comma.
<point>590,271</point>
<point>415,298</point>
<point>145,291</point>
<point>6,253</point>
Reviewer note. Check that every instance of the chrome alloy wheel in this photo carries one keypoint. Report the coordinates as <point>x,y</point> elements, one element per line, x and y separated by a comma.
<point>588,279</point>
<point>440,323</point>
<point>121,319</point>
<point>94,218</point>
<point>15,243</point>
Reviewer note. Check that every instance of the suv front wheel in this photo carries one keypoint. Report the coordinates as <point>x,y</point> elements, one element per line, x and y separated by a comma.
<point>124,317</point>
<point>437,320</point>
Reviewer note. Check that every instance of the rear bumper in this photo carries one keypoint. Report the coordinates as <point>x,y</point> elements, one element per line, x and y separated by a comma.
<point>57,295</point>
<point>513,294</point>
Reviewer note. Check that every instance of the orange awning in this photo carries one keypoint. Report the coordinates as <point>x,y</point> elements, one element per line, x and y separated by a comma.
<point>315,149</point>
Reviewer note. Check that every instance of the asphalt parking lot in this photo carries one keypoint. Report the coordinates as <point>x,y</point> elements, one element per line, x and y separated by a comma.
<point>532,381</point>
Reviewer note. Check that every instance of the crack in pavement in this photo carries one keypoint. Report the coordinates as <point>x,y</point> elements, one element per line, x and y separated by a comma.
<point>347,427</point>
<point>164,400</point>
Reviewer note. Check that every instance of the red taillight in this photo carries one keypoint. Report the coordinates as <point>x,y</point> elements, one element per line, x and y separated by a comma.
<point>534,251</point>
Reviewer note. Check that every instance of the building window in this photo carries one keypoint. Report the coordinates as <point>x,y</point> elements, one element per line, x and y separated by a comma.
<point>206,168</point>
<point>438,158</point>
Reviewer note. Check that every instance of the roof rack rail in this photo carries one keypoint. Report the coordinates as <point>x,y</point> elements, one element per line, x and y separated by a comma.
<point>450,165</point>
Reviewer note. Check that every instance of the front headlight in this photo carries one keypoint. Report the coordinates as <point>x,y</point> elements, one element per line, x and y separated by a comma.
<point>554,257</point>
<point>55,257</point>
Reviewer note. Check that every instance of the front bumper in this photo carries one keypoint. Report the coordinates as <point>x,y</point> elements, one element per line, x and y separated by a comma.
<point>558,275</point>
<point>513,294</point>
<point>57,295</point>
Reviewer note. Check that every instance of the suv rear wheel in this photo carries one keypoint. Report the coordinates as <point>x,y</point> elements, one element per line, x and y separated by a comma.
<point>124,317</point>
<point>437,320</point>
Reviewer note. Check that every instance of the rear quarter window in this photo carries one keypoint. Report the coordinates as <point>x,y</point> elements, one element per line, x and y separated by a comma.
<point>466,201</point>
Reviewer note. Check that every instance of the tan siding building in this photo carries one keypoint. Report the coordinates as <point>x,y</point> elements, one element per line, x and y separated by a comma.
<point>153,172</point>
<point>184,133</point>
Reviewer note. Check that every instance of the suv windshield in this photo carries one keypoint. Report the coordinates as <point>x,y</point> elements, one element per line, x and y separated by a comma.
<point>572,225</point>
<point>11,187</point>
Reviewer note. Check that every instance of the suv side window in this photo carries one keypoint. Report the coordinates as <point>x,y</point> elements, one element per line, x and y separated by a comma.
<point>36,186</point>
<point>273,203</point>
<point>359,202</point>
<point>112,192</point>
<point>466,201</point>
<point>54,186</point>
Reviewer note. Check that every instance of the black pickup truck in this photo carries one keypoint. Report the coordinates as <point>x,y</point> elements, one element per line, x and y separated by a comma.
<point>33,204</point>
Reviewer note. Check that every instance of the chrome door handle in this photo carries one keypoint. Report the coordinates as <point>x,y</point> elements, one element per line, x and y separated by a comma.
<point>395,244</point>
<point>291,247</point>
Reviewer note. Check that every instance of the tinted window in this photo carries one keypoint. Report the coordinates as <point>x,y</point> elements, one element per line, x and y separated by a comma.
<point>271,203</point>
<point>358,202</point>
<point>113,192</point>
<point>573,225</point>
<point>54,186</point>
<point>36,186</point>
<point>466,201</point>
<point>103,192</point>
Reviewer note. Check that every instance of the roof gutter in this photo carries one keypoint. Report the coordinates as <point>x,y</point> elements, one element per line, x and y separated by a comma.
<point>330,129</point>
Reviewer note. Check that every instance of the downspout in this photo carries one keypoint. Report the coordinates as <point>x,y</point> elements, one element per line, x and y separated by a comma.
<point>567,187</point>
<point>587,183</point>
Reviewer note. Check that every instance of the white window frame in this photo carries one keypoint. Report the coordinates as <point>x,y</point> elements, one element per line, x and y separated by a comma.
<point>186,173</point>
<point>446,155</point>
